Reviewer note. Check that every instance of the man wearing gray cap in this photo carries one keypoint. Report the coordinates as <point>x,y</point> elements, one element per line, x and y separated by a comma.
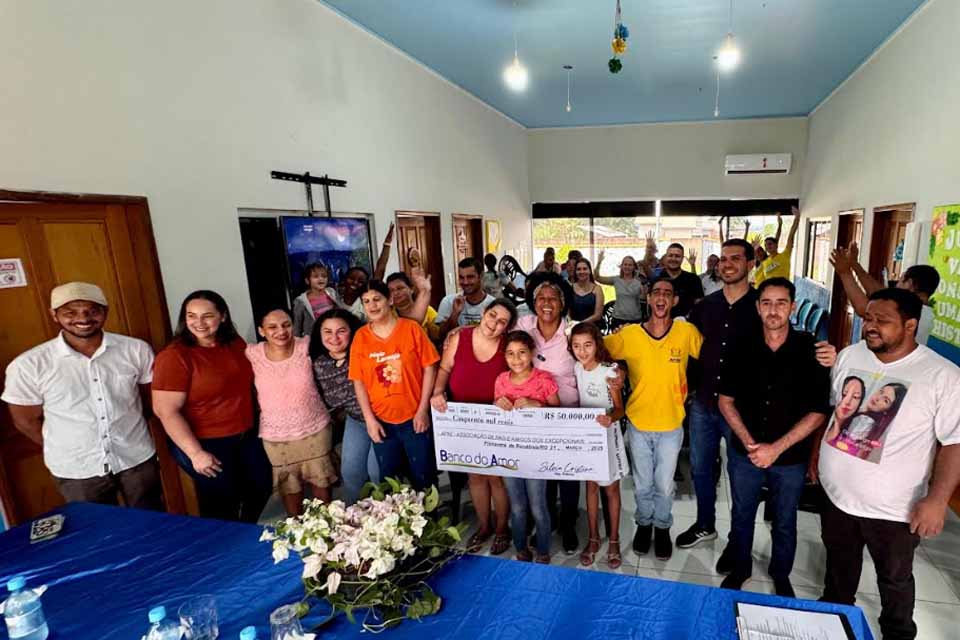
<point>79,396</point>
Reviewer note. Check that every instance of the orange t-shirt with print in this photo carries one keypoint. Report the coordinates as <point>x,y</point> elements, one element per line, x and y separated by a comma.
<point>391,368</point>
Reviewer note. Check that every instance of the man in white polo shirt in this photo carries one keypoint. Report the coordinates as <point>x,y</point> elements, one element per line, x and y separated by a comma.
<point>80,396</point>
<point>887,481</point>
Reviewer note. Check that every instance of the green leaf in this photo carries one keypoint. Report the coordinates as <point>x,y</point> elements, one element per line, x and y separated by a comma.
<point>394,484</point>
<point>436,552</point>
<point>377,494</point>
<point>431,500</point>
<point>443,522</point>
<point>367,489</point>
<point>454,533</point>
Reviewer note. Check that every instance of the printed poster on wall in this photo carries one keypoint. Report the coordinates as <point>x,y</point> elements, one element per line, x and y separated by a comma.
<point>945,258</point>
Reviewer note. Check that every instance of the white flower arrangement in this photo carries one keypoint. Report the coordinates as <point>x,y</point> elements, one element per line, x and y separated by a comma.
<point>374,554</point>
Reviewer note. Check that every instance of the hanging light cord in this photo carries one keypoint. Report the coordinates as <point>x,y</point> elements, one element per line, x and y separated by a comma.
<point>731,16</point>
<point>716,104</point>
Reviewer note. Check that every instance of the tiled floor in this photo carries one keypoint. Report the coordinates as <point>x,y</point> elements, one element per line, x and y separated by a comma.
<point>936,568</point>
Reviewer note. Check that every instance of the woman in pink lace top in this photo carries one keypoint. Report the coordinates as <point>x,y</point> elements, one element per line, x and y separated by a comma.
<point>294,424</point>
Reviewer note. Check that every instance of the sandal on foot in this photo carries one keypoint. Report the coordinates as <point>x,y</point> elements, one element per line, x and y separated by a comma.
<point>477,540</point>
<point>501,542</point>
<point>542,559</point>
<point>613,554</point>
<point>525,556</point>
<point>589,554</point>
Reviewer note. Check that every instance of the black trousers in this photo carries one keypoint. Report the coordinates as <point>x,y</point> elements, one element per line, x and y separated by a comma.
<point>569,491</point>
<point>891,545</point>
<point>241,490</point>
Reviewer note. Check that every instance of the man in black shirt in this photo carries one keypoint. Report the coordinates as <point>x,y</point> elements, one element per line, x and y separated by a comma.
<point>774,396</point>
<point>725,318</point>
<point>688,286</point>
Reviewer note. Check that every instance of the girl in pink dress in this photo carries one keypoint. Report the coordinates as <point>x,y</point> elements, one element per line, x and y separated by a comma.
<point>523,387</point>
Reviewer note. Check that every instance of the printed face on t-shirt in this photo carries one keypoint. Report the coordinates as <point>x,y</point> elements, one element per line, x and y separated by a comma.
<point>860,427</point>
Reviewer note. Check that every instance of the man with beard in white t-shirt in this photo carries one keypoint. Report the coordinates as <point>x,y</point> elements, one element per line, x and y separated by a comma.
<point>887,484</point>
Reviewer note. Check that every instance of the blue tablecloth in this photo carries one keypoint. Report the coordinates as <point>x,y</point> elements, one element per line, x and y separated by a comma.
<point>110,565</point>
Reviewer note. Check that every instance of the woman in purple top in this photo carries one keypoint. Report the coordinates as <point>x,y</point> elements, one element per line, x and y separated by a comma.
<point>472,359</point>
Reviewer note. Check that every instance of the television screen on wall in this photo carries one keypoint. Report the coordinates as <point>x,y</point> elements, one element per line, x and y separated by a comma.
<point>337,243</point>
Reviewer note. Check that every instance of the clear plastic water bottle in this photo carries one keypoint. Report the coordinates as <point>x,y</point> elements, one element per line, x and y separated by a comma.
<point>23,612</point>
<point>248,633</point>
<point>160,627</point>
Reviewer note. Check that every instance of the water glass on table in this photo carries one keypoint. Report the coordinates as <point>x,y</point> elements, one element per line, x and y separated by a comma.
<point>198,618</point>
<point>285,623</point>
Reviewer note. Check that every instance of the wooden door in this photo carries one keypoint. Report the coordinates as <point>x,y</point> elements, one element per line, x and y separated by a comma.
<point>886,245</point>
<point>109,243</point>
<point>467,237</point>
<point>418,237</point>
<point>841,311</point>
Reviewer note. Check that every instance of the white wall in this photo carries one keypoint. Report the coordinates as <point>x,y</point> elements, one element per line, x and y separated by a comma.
<point>666,161</point>
<point>891,133</point>
<point>192,104</point>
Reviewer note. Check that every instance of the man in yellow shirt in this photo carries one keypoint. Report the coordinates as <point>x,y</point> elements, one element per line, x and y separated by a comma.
<point>777,263</point>
<point>656,353</point>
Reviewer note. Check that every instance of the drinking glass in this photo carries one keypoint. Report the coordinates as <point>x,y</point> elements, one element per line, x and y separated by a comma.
<point>285,623</point>
<point>198,618</point>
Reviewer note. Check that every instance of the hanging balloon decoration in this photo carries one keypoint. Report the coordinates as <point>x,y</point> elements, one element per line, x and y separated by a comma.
<point>619,44</point>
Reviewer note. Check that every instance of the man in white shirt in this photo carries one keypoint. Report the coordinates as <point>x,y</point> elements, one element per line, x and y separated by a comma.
<point>80,396</point>
<point>895,401</point>
<point>464,309</point>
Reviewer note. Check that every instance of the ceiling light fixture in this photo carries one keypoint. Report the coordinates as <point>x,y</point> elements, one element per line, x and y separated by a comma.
<point>569,69</point>
<point>729,55</point>
<point>515,75</point>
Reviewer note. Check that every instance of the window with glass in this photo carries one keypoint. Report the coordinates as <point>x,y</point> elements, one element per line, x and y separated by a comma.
<point>819,245</point>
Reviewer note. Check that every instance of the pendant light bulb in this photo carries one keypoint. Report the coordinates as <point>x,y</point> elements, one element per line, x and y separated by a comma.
<point>568,69</point>
<point>729,55</point>
<point>515,75</point>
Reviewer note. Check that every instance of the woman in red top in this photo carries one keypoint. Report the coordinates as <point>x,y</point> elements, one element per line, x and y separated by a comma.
<point>472,359</point>
<point>203,395</point>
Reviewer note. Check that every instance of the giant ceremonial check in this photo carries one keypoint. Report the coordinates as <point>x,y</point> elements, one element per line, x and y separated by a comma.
<point>549,443</point>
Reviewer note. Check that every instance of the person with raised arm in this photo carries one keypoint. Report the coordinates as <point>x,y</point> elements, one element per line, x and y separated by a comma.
<point>777,263</point>
<point>629,288</point>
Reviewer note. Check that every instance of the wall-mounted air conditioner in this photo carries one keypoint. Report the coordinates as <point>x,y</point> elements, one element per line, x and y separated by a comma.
<point>758,164</point>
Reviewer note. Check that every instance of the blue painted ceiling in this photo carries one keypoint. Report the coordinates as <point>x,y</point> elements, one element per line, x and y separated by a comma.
<point>795,52</point>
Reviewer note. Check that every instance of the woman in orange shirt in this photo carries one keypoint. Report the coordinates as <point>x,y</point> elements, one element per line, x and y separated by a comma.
<point>393,366</point>
<point>203,394</point>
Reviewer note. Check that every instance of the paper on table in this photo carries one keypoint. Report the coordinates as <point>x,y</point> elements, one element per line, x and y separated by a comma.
<point>758,622</point>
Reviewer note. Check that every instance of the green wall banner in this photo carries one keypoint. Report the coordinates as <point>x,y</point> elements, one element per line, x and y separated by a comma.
<point>945,258</point>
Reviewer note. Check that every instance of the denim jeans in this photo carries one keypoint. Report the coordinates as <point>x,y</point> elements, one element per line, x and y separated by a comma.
<point>654,457</point>
<point>402,444</point>
<point>241,490</point>
<point>785,483</point>
<point>707,427</point>
<point>358,463</point>
<point>524,492</point>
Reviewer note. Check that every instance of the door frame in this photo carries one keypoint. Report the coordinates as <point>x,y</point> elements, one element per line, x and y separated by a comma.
<point>477,221</point>
<point>140,227</point>
<point>438,270</point>
<point>839,302</point>
<point>879,233</point>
